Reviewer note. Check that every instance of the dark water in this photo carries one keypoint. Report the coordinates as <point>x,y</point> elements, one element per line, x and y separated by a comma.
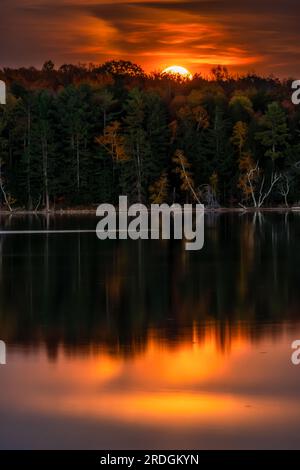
<point>124,344</point>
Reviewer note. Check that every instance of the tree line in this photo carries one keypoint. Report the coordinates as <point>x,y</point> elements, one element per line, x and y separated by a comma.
<point>81,135</point>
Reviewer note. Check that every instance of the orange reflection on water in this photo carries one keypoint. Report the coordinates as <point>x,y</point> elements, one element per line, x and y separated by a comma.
<point>190,383</point>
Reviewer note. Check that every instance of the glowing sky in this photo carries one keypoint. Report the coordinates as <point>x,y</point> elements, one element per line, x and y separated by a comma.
<point>261,35</point>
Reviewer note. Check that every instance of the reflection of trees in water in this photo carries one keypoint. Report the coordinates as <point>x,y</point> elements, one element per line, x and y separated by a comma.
<point>74,290</point>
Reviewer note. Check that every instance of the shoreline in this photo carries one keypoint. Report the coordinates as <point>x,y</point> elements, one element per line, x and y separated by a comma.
<point>64,212</point>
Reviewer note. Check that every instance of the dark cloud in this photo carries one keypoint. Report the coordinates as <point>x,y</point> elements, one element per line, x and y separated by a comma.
<point>115,9</point>
<point>262,35</point>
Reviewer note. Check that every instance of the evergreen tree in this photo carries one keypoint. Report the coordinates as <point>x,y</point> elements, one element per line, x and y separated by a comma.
<point>275,136</point>
<point>146,133</point>
<point>74,114</point>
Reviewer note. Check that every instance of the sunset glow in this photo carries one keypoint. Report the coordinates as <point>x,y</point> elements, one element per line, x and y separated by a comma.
<point>196,34</point>
<point>192,383</point>
<point>149,230</point>
<point>178,70</point>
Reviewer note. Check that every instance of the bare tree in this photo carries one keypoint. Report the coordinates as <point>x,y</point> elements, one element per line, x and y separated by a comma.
<point>6,198</point>
<point>252,174</point>
<point>285,187</point>
<point>259,187</point>
<point>183,169</point>
<point>265,190</point>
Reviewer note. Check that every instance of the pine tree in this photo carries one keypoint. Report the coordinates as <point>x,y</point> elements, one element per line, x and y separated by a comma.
<point>74,109</point>
<point>275,136</point>
<point>43,154</point>
<point>145,132</point>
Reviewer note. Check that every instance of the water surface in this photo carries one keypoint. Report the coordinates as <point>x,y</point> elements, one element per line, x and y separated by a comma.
<point>127,345</point>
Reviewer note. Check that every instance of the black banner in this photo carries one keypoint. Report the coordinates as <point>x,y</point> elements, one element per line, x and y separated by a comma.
<point>139,459</point>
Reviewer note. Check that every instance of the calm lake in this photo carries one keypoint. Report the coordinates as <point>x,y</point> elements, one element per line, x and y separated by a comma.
<point>141,344</point>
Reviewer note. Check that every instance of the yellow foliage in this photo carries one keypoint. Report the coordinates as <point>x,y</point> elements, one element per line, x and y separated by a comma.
<point>113,142</point>
<point>183,170</point>
<point>249,175</point>
<point>242,101</point>
<point>196,113</point>
<point>239,135</point>
<point>159,190</point>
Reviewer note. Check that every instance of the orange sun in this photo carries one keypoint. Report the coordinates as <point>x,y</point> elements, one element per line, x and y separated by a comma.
<point>177,70</point>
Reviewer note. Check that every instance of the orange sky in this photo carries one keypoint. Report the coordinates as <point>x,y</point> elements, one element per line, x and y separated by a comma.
<point>261,35</point>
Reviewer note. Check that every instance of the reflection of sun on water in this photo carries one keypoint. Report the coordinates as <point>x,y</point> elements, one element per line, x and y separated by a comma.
<point>187,383</point>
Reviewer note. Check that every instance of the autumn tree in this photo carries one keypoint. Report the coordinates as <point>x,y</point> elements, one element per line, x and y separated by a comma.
<point>248,179</point>
<point>83,134</point>
<point>121,68</point>
<point>114,142</point>
<point>241,108</point>
<point>183,170</point>
<point>159,189</point>
<point>239,137</point>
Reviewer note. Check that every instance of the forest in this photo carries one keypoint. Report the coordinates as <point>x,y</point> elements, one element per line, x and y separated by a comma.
<point>80,135</point>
